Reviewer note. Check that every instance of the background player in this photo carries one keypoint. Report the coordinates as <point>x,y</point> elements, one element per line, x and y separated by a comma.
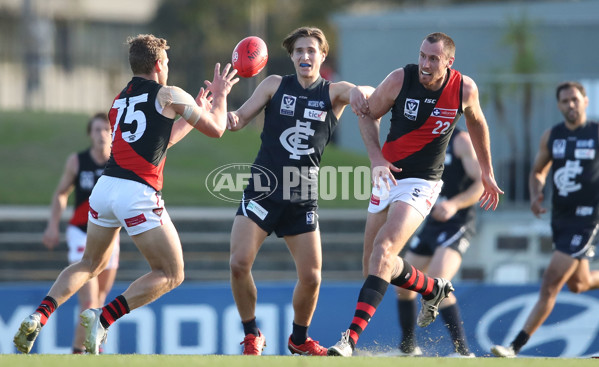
<point>442,241</point>
<point>81,172</point>
<point>570,149</point>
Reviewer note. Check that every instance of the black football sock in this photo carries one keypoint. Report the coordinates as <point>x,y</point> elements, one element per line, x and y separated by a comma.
<point>455,325</point>
<point>250,327</point>
<point>407,312</point>
<point>300,334</point>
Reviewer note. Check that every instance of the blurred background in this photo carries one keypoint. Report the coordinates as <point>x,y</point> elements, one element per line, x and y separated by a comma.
<point>63,60</point>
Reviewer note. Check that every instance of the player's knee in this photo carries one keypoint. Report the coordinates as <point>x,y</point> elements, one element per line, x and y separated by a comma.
<point>311,279</point>
<point>174,280</point>
<point>577,287</point>
<point>239,267</point>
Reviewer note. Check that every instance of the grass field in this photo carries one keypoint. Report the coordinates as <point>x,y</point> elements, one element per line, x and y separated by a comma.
<point>274,361</point>
<point>34,147</point>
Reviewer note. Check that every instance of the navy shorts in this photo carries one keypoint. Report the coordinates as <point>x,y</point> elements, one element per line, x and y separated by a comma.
<point>577,241</point>
<point>433,236</point>
<point>283,217</point>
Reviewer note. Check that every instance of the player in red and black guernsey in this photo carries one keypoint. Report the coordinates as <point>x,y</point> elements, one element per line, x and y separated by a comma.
<point>301,113</point>
<point>442,241</point>
<point>425,101</point>
<point>81,172</point>
<point>568,155</point>
<point>128,194</point>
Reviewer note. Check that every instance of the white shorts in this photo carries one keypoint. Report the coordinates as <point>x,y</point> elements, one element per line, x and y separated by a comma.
<point>76,242</point>
<point>116,202</point>
<point>419,193</point>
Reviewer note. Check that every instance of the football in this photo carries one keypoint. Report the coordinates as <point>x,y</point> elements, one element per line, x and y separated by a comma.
<point>250,56</point>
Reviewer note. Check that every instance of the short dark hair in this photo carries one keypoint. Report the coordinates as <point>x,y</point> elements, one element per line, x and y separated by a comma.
<point>448,44</point>
<point>289,41</point>
<point>97,116</point>
<point>568,85</point>
<point>144,51</point>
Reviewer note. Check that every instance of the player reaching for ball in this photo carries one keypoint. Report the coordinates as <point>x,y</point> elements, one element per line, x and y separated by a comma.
<point>128,194</point>
<point>301,113</point>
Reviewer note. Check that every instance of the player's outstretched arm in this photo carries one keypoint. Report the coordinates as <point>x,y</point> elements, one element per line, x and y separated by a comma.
<point>237,120</point>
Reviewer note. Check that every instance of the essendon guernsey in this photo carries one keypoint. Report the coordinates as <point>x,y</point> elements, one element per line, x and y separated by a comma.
<point>422,122</point>
<point>88,174</point>
<point>140,134</point>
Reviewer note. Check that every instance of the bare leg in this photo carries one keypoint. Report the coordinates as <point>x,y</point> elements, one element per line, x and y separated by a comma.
<point>246,240</point>
<point>559,270</point>
<point>307,253</point>
<point>96,256</point>
<point>162,249</point>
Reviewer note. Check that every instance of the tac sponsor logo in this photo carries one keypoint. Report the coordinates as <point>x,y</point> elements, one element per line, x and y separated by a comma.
<point>227,182</point>
<point>444,113</point>
<point>570,335</point>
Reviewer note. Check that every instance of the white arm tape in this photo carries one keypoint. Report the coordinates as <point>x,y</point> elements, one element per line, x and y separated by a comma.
<point>175,95</point>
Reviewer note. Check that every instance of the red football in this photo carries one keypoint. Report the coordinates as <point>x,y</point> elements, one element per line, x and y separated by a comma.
<point>250,56</point>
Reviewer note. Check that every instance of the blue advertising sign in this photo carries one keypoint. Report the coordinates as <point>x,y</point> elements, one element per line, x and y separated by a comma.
<point>202,319</point>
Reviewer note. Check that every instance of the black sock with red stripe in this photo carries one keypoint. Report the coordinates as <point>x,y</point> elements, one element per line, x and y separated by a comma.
<point>46,308</point>
<point>370,297</point>
<point>415,280</point>
<point>113,311</point>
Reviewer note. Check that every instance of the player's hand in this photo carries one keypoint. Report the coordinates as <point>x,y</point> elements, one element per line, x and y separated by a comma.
<point>204,99</point>
<point>50,238</point>
<point>222,82</point>
<point>358,102</point>
<point>232,120</point>
<point>536,205</point>
<point>381,173</point>
<point>490,196</point>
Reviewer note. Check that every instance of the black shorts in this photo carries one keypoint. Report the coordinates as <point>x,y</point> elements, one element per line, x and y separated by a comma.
<point>284,218</point>
<point>577,241</point>
<point>431,237</point>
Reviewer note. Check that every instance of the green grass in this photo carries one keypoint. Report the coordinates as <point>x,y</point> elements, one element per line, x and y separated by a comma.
<point>34,147</point>
<point>274,361</point>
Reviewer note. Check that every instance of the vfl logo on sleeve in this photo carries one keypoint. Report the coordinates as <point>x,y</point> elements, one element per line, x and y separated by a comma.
<point>292,139</point>
<point>288,105</point>
<point>410,110</point>
<point>315,114</point>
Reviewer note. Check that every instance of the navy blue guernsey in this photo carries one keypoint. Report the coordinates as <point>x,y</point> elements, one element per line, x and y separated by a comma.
<point>455,181</point>
<point>298,124</point>
<point>575,173</point>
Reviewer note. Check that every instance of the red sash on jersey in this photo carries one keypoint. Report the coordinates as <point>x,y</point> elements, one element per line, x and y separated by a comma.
<point>126,157</point>
<point>447,107</point>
